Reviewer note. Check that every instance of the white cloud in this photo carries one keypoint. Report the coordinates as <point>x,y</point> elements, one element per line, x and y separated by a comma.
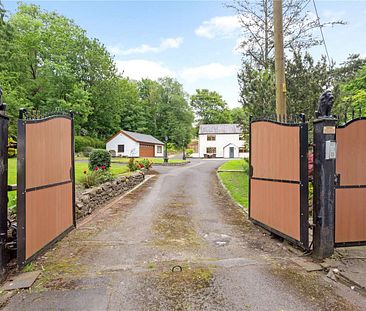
<point>211,71</point>
<point>140,68</point>
<point>219,26</point>
<point>165,44</point>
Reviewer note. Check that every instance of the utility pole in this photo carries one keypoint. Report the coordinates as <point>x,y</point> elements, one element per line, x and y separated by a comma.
<point>279,61</point>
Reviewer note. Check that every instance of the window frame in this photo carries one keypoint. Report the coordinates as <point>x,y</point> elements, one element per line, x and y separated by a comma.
<point>123,148</point>
<point>159,149</point>
<point>211,137</point>
<point>213,148</point>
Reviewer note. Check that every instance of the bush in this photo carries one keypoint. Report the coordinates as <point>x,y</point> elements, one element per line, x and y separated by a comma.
<point>147,164</point>
<point>99,158</point>
<point>96,177</point>
<point>87,151</point>
<point>189,152</point>
<point>132,165</point>
<point>12,152</point>
<point>89,179</point>
<point>86,141</point>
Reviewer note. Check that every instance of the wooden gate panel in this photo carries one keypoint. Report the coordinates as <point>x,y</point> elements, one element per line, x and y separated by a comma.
<point>277,206</point>
<point>351,153</point>
<point>48,152</point>
<point>350,215</point>
<point>48,214</point>
<point>278,181</point>
<point>350,203</point>
<point>46,182</point>
<point>275,151</point>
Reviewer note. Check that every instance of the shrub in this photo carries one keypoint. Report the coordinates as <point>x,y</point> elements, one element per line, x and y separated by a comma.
<point>132,165</point>
<point>86,141</point>
<point>99,158</point>
<point>89,179</point>
<point>189,152</point>
<point>12,152</point>
<point>96,177</point>
<point>146,163</point>
<point>87,151</point>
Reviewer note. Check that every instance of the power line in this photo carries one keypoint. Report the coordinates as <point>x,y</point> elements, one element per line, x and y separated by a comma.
<point>321,32</point>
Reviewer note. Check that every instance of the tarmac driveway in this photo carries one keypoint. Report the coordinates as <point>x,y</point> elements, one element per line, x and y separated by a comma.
<point>123,258</point>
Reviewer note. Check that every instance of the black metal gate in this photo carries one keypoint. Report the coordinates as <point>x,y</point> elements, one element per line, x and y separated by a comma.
<point>3,188</point>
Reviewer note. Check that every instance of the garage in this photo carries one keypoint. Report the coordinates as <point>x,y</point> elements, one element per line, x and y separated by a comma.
<point>146,150</point>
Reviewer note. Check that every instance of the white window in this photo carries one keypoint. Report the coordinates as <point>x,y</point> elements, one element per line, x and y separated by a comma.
<point>159,149</point>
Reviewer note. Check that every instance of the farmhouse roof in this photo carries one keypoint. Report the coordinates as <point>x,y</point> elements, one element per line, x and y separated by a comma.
<point>141,138</point>
<point>220,129</point>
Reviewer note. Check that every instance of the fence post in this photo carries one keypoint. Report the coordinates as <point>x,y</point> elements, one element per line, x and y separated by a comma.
<point>324,186</point>
<point>3,191</point>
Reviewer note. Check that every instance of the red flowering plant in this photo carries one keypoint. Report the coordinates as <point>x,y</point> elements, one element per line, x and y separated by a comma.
<point>147,164</point>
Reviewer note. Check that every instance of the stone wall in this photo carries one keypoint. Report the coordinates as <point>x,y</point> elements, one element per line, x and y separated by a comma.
<point>89,199</point>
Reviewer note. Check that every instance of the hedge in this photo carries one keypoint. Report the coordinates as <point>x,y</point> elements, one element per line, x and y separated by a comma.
<point>81,142</point>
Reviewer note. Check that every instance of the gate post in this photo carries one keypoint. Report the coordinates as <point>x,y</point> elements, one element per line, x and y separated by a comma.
<point>3,189</point>
<point>324,186</point>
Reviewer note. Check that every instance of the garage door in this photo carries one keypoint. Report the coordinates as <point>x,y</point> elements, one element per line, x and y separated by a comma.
<point>146,150</point>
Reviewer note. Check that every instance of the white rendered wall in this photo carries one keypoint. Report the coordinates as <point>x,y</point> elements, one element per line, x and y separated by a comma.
<point>221,141</point>
<point>132,148</point>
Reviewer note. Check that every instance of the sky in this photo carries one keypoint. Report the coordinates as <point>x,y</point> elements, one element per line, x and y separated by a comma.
<point>193,41</point>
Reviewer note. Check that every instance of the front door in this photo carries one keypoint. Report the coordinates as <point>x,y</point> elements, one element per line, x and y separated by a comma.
<point>231,152</point>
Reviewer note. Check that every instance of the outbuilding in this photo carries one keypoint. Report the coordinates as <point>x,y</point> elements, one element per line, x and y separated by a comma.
<point>221,141</point>
<point>131,144</point>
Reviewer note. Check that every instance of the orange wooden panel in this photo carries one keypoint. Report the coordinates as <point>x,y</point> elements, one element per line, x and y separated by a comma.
<point>48,152</point>
<point>351,153</point>
<point>275,151</point>
<point>350,215</point>
<point>146,150</point>
<point>49,212</point>
<point>276,205</point>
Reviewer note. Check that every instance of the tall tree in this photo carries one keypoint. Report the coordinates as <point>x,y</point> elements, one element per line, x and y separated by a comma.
<point>210,108</point>
<point>256,20</point>
<point>353,95</point>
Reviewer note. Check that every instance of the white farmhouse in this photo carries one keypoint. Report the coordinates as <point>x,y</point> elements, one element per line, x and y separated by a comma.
<point>220,141</point>
<point>131,144</point>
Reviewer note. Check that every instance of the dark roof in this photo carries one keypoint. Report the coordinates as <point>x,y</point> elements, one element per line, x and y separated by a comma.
<point>220,129</point>
<point>141,138</point>
<point>144,138</point>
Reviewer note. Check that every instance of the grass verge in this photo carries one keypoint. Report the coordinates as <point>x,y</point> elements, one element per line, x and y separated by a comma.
<point>236,182</point>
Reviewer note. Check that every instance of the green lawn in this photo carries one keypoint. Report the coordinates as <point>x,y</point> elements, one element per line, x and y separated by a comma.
<point>234,165</point>
<point>236,182</point>
<point>154,160</point>
<point>80,167</point>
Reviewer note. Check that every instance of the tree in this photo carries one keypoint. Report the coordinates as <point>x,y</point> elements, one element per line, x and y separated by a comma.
<point>167,112</point>
<point>210,108</point>
<point>353,95</point>
<point>239,115</point>
<point>306,80</point>
<point>256,20</point>
<point>174,115</point>
<point>256,77</point>
<point>53,64</point>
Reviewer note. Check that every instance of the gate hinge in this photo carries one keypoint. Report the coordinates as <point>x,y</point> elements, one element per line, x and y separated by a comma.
<point>338,180</point>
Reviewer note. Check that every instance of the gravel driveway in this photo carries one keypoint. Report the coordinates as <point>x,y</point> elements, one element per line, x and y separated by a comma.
<point>123,258</point>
